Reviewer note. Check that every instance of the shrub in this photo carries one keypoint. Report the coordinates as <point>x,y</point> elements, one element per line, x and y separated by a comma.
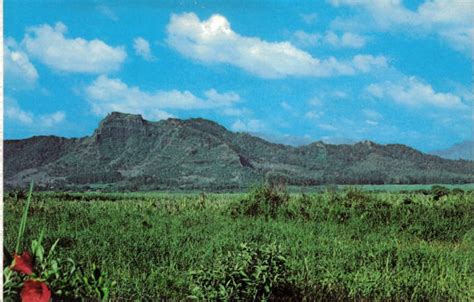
<point>356,195</point>
<point>17,194</point>
<point>252,273</point>
<point>439,191</point>
<point>265,200</point>
<point>457,191</point>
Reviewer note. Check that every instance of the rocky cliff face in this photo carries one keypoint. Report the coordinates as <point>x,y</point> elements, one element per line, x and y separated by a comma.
<point>128,152</point>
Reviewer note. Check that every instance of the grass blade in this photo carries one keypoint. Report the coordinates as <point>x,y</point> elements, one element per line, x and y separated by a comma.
<point>21,230</point>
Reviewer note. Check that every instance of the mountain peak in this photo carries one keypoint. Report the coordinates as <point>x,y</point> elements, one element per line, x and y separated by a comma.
<point>462,150</point>
<point>119,116</point>
<point>200,124</point>
<point>205,124</point>
<point>127,151</point>
<point>367,143</point>
<point>119,124</point>
<point>122,119</point>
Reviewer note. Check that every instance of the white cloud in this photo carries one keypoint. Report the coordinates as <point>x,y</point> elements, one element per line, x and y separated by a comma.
<point>213,41</point>
<point>371,122</point>
<point>347,39</point>
<point>215,99</point>
<point>466,93</point>
<point>309,18</point>
<point>15,113</point>
<point>50,120</point>
<point>142,48</point>
<point>413,92</point>
<point>372,114</point>
<point>286,106</point>
<point>366,63</point>
<point>339,94</point>
<point>252,125</point>
<point>108,12</point>
<point>451,20</point>
<point>19,71</point>
<point>315,101</point>
<point>304,39</point>
<point>313,115</point>
<point>327,95</point>
<point>327,127</point>
<point>344,40</point>
<point>108,94</point>
<point>50,46</point>
<point>376,90</point>
<point>232,111</point>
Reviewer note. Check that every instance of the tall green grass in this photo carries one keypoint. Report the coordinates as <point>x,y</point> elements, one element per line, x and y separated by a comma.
<point>24,217</point>
<point>331,245</point>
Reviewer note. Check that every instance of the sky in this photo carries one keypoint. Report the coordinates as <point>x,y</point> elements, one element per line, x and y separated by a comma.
<point>339,71</point>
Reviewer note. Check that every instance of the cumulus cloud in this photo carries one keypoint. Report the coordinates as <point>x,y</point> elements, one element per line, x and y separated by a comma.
<point>366,63</point>
<point>450,20</point>
<point>14,112</point>
<point>304,39</point>
<point>343,40</point>
<point>51,47</point>
<point>252,125</point>
<point>19,71</point>
<point>411,91</point>
<point>142,49</point>
<point>346,40</point>
<point>214,41</point>
<point>110,94</point>
<point>50,120</point>
<point>216,99</point>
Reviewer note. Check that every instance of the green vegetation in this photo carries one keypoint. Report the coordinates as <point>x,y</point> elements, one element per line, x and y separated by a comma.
<point>32,272</point>
<point>266,244</point>
<point>128,153</point>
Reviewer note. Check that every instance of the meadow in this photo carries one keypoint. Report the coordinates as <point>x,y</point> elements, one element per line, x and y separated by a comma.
<point>267,244</point>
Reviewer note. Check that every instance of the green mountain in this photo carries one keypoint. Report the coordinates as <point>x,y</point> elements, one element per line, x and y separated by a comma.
<point>128,152</point>
<point>463,150</point>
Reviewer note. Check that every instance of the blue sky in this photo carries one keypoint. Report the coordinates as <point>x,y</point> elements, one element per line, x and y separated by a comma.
<point>336,70</point>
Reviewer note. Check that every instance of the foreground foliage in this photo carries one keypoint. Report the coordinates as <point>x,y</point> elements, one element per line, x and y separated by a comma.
<point>267,244</point>
<point>35,275</point>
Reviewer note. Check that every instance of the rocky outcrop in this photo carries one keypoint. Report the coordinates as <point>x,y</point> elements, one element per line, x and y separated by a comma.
<point>128,152</point>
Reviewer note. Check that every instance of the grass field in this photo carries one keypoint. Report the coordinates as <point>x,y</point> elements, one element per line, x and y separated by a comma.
<point>266,244</point>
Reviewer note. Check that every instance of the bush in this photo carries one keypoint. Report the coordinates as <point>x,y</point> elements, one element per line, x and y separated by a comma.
<point>356,195</point>
<point>439,191</point>
<point>265,200</point>
<point>252,273</point>
<point>457,191</point>
<point>17,194</point>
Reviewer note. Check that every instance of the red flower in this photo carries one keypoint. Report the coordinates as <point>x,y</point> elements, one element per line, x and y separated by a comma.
<point>22,264</point>
<point>35,291</point>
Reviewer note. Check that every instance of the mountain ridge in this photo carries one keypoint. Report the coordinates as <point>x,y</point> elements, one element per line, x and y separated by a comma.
<point>131,153</point>
<point>462,150</point>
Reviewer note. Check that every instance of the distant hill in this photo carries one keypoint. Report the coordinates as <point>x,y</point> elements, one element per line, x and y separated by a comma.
<point>130,153</point>
<point>464,150</point>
